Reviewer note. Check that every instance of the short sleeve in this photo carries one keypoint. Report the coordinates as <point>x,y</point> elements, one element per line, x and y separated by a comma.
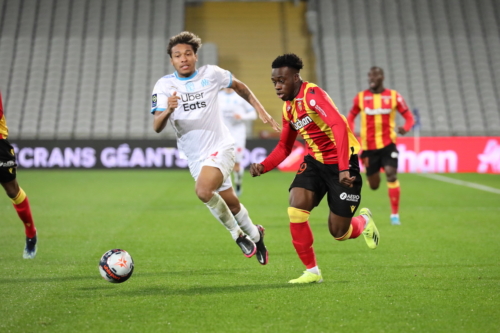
<point>224,77</point>
<point>158,98</point>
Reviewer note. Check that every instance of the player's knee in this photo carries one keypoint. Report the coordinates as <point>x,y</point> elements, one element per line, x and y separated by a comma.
<point>204,194</point>
<point>338,233</point>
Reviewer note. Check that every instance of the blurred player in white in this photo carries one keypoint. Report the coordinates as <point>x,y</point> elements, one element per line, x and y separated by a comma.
<point>237,112</point>
<point>188,98</point>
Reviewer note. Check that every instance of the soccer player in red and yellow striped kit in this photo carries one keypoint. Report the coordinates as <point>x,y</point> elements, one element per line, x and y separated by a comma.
<point>16,194</point>
<point>378,107</point>
<point>330,168</point>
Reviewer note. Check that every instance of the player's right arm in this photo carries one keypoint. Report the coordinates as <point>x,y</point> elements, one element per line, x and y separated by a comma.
<point>353,112</point>
<point>279,153</point>
<point>161,117</point>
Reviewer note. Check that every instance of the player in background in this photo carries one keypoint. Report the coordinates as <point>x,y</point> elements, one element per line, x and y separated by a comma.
<point>330,167</point>
<point>188,98</point>
<point>378,106</point>
<point>237,112</point>
<point>8,167</point>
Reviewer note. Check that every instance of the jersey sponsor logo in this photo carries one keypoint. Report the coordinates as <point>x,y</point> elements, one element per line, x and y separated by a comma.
<point>193,98</point>
<point>190,86</point>
<point>154,100</point>
<point>349,197</point>
<point>312,102</point>
<point>205,83</point>
<point>300,123</point>
<point>373,112</point>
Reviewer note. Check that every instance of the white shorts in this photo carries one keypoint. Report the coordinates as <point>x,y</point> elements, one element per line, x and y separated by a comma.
<point>223,160</point>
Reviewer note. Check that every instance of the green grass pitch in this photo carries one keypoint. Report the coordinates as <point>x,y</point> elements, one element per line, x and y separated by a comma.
<point>437,272</point>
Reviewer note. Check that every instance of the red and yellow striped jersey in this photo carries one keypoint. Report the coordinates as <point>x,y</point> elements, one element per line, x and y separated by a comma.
<point>378,117</point>
<point>313,114</point>
<point>4,131</point>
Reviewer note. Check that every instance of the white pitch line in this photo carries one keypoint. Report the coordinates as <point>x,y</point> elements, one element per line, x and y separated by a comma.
<point>461,182</point>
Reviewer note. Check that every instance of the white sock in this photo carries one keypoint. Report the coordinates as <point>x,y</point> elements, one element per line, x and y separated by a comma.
<point>314,270</point>
<point>220,210</point>
<point>366,219</point>
<point>238,177</point>
<point>246,224</point>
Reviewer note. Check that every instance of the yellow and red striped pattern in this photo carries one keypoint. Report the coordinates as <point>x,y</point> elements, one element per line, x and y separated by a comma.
<point>378,118</point>
<point>318,135</point>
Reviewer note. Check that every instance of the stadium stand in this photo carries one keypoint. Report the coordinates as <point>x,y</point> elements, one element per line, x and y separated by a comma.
<point>85,69</point>
<point>442,55</point>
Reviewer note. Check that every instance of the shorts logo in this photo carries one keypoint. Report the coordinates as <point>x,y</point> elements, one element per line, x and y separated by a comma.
<point>394,154</point>
<point>154,100</point>
<point>349,197</point>
<point>353,208</point>
<point>302,168</point>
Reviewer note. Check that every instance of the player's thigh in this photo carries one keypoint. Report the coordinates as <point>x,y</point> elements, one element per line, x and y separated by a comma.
<point>389,156</point>
<point>371,161</point>
<point>343,201</point>
<point>224,162</point>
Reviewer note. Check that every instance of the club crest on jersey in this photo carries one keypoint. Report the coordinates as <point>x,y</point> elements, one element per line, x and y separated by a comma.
<point>300,106</point>
<point>205,83</point>
<point>190,86</point>
<point>154,100</point>
<point>300,123</point>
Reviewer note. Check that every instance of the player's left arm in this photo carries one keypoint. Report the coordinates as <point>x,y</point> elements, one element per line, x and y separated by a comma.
<point>328,112</point>
<point>245,92</point>
<point>403,109</point>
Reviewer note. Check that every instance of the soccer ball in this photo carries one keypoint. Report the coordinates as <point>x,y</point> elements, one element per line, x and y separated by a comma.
<point>116,266</point>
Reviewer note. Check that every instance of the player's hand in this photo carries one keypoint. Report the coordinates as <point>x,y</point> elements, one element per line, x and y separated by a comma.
<point>266,118</point>
<point>256,169</point>
<point>401,130</point>
<point>345,179</point>
<point>173,102</point>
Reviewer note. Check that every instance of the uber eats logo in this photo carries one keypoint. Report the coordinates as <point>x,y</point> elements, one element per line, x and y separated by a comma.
<point>192,101</point>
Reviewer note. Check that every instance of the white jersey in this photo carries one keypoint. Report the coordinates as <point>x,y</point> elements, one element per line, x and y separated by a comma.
<point>197,121</point>
<point>236,112</point>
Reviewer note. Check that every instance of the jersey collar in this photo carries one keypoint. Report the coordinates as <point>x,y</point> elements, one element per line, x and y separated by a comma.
<point>186,78</point>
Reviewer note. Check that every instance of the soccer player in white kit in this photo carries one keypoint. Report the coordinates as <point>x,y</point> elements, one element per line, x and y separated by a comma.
<point>188,98</point>
<point>236,112</point>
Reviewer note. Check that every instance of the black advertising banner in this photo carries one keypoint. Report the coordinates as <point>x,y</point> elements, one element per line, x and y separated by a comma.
<point>116,154</point>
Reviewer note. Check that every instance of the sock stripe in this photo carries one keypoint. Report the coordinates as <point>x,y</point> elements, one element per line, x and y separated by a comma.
<point>19,198</point>
<point>347,235</point>
<point>394,184</point>
<point>297,215</point>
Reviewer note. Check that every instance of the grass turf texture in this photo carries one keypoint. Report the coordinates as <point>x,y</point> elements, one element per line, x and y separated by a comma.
<point>438,272</point>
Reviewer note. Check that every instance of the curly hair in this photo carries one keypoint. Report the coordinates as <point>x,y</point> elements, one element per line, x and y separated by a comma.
<point>184,37</point>
<point>288,60</point>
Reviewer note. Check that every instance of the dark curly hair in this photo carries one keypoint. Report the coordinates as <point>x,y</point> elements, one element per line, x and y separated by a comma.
<point>184,37</point>
<point>288,60</point>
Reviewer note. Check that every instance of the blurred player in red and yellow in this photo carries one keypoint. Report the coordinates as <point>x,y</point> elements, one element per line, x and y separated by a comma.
<point>16,194</point>
<point>330,168</point>
<point>378,107</point>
